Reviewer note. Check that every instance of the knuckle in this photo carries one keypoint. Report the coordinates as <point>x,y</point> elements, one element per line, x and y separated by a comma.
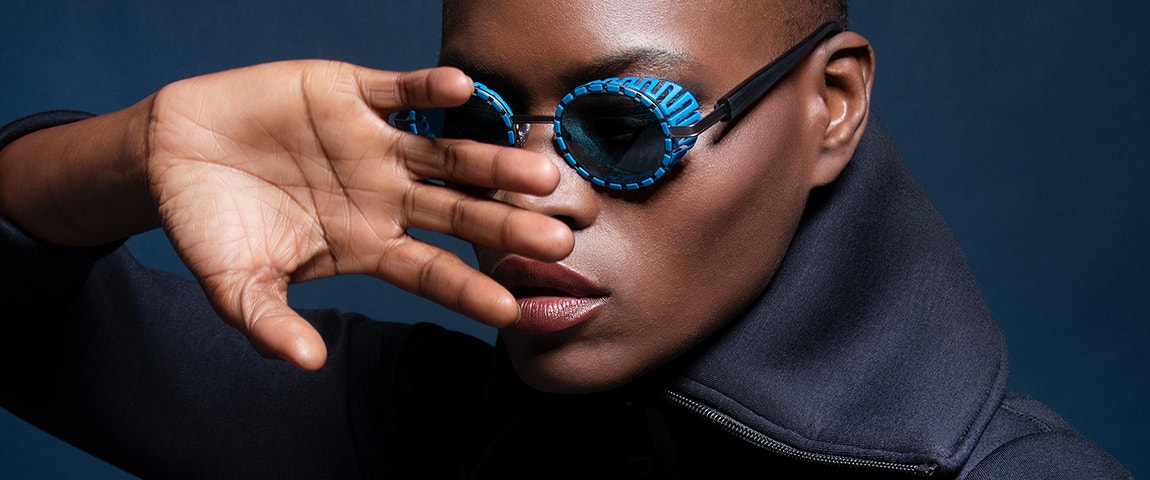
<point>457,216</point>
<point>426,275</point>
<point>408,206</point>
<point>450,161</point>
<point>399,91</point>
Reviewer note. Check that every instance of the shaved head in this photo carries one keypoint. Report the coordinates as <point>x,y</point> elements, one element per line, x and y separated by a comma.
<point>795,18</point>
<point>801,17</point>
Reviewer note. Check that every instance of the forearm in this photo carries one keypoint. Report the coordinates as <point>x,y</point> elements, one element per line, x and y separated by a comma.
<point>133,366</point>
<point>82,183</point>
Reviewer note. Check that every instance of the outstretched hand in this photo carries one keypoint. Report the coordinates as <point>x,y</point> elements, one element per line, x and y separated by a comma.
<point>288,171</point>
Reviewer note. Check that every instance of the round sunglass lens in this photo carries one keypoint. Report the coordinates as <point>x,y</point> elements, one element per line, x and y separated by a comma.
<point>613,136</point>
<point>476,120</point>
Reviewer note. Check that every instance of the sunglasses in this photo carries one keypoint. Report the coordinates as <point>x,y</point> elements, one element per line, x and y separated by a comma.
<point>618,133</point>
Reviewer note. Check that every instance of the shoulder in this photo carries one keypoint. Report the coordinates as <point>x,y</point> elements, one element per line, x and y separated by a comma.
<point>1026,439</point>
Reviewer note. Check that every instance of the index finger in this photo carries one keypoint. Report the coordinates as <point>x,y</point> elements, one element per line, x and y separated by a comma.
<point>420,89</point>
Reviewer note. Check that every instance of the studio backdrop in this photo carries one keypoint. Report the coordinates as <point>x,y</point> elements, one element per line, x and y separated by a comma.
<point>1025,122</point>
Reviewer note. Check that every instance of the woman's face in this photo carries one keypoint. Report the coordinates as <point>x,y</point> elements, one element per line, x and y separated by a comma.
<point>656,271</point>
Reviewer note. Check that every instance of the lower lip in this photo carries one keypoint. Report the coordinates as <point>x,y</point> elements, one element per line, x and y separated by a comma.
<point>552,314</point>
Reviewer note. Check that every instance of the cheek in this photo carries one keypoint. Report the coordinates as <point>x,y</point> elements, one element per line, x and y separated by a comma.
<point>737,206</point>
<point>680,263</point>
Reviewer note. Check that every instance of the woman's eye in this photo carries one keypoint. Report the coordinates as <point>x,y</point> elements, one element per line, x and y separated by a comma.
<point>474,125</point>
<point>617,129</point>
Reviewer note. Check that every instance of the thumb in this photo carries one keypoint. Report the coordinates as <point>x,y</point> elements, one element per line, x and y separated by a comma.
<point>272,327</point>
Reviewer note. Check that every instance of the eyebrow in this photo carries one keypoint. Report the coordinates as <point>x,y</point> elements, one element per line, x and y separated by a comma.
<point>662,63</point>
<point>650,60</point>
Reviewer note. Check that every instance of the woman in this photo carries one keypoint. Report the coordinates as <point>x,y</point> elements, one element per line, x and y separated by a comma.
<point>782,298</point>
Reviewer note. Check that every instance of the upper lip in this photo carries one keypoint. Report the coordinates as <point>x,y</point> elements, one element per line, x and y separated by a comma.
<point>524,277</point>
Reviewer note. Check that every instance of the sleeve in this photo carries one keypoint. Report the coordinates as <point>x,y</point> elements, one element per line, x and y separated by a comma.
<point>39,121</point>
<point>134,366</point>
<point>1027,440</point>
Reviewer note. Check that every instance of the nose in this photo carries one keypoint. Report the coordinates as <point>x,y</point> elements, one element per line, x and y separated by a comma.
<point>573,202</point>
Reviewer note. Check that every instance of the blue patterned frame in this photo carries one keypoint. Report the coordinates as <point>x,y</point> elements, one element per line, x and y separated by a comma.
<point>673,106</point>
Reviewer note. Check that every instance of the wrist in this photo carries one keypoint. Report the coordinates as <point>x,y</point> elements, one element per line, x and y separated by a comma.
<point>81,183</point>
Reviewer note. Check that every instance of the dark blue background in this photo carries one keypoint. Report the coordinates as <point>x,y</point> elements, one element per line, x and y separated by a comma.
<point>1025,121</point>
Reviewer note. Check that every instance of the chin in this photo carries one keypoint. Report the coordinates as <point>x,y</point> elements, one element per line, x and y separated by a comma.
<point>566,383</point>
<point>567,372</point>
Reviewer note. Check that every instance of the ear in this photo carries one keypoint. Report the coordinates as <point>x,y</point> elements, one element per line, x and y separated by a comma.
<point>846,63</point>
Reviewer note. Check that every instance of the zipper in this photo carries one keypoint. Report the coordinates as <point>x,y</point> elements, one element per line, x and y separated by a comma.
<point>765,442</point>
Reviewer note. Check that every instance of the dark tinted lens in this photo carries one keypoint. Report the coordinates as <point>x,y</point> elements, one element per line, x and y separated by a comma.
<point>613,136</point>
<point>475,120</point>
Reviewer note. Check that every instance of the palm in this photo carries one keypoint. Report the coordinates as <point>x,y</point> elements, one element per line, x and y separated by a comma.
<point>299,178</point>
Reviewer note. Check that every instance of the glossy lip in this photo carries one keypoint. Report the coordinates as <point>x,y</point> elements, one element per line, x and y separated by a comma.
<point>551,296</point>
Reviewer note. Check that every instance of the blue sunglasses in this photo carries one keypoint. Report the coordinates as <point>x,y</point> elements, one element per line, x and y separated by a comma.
<point>618,133</point>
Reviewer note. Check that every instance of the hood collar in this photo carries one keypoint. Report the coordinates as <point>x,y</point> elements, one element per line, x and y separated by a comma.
<point>872,340</point>
<point>871,344</point>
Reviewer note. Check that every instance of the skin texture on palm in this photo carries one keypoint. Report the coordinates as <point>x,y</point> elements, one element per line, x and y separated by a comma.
<point>287,172</point>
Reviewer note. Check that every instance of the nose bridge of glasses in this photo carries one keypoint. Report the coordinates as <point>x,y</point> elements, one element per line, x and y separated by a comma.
<point>522,125</point>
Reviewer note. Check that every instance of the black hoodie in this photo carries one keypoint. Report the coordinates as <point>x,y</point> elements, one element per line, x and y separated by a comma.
<point>870,355</point>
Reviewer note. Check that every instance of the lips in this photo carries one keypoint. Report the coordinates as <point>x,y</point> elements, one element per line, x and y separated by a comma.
<point>551,296</point>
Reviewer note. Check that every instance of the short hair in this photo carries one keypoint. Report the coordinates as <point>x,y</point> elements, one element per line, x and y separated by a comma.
<point>802,17</point>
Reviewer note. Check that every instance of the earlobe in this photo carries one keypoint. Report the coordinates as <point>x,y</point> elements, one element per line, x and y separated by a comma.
<point>848,72</point>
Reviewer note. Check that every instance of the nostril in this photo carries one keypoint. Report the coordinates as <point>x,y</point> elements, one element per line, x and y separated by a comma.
<point>568,220</point>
